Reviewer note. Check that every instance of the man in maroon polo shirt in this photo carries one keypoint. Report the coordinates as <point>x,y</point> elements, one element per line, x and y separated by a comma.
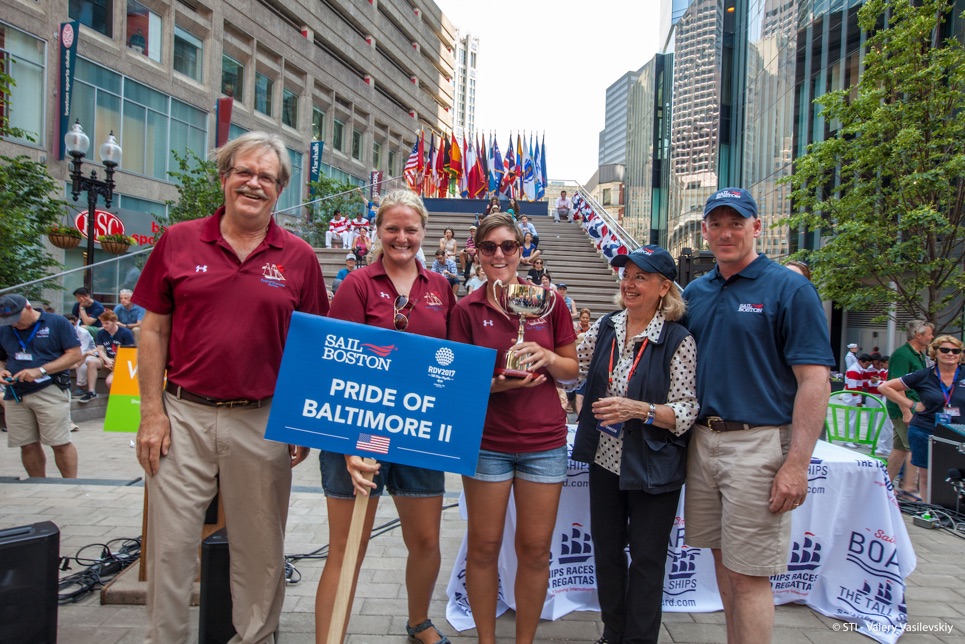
<point>219,293</point>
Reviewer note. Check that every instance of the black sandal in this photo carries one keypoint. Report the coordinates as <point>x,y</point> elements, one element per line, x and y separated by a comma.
<point>415,630</point>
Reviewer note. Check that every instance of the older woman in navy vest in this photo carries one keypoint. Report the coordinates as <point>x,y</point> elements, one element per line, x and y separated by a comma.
<point>639,365</point>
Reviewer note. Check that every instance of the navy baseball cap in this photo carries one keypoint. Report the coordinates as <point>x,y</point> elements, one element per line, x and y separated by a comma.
<point>652,259</point>
<point>736,198</point>
<point>10,308</point>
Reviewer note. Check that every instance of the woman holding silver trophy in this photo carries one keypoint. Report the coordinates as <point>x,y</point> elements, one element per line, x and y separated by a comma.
<point>524,438</point>
<point>639,366</point>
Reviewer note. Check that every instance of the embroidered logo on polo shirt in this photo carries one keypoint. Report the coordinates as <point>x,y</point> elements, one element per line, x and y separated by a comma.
<point>273,272</point>
<point>201,268</point>
<point>272,275</point>
<point>432,301</point>
<point>487,322</point>
<point>750,308</point>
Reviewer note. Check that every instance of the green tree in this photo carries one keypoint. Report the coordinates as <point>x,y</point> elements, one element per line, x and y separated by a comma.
<point>27,209</point>
<point>887,187</point>
<point>199,190</point>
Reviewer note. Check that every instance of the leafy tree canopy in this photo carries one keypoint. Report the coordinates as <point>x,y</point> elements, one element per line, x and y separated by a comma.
<point>27,210</point>
<point>199,189</point>
<point>887,187</point>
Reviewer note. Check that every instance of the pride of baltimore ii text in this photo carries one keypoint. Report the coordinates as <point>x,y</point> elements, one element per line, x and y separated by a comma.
<point>373,420</point>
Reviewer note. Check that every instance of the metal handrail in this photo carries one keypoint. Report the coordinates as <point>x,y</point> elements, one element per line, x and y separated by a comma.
<point>611,222</point>
<point>18,287</point>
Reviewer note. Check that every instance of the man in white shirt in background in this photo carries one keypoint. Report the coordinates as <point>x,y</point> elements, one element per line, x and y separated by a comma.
<point>564,208</point>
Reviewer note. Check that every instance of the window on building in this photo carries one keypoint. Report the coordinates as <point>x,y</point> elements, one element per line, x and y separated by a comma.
<point>318,124</point>
<point>376,155</point>
<point>289,108</point>
<point>606,196</point>
<point>232,78</point>
<point>356,145</point>
<point>188,54</point>
<point>472,59</point>
<point>143,30</point>
<point>96,14</point>
<point>22,57</point>
<point>391,165</point>
<point>148,124</point>
<point>338,134</point>
<point>291,196</point>
<point>264,87</point>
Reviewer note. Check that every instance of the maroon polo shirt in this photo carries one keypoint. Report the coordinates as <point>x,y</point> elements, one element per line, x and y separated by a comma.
<point>367,296</point>
<point>229,319</point>
<point>519,420</point>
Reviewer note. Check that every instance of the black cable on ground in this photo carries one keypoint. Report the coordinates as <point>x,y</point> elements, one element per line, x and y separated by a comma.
<point>97,570</point>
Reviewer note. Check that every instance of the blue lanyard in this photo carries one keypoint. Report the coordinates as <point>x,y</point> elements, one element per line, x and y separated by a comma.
<point>23,345</point>
<point>947,391</point>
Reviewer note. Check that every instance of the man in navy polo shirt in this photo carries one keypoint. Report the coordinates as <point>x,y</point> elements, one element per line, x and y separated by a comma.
<point>763,359</point>
<point>219,294</point>
<point>87,309</point>
<point>37,350</point>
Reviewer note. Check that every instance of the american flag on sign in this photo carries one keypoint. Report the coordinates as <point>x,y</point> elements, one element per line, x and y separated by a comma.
<point>370,443</point>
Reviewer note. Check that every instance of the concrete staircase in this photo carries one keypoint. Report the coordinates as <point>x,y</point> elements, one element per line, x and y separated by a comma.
<point>569,256</point>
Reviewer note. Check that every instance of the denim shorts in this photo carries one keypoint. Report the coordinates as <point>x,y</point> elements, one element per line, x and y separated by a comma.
<point>402,480</point>
<point>918,442</point>
<point>537,467</point>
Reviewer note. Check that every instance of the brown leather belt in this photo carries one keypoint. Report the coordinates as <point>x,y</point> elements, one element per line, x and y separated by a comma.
<point>181,393</point>
<point>718,424</point>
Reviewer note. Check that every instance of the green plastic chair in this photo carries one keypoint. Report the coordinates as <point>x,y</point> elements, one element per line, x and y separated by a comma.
<point>870,419</point>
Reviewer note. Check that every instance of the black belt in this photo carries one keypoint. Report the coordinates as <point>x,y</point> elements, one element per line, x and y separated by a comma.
<point>718,424</point>
<point>181,393</point>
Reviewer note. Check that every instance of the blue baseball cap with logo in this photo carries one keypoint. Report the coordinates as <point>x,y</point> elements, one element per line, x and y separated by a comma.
<point>736,198</point>
<point>652,259</point>
<point>10,308</point>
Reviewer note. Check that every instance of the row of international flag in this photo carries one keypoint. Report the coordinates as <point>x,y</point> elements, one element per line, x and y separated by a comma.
<point>471,169</point>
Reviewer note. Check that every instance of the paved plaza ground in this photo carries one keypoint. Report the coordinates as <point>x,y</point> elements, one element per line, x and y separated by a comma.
<point>106,504</point>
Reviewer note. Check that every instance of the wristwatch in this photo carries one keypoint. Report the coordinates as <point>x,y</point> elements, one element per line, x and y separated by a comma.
<point>43,372</point>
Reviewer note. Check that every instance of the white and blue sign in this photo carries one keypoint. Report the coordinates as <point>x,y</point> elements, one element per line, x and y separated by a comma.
<point>398,397</point>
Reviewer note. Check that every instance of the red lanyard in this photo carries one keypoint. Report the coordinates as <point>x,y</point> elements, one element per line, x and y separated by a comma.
<point>633,369</point>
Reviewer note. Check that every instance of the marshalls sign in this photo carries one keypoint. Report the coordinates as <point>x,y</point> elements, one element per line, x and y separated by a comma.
<point>397,397</point>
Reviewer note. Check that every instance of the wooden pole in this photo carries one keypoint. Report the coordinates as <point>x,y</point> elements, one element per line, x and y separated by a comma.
<point>343,596</point>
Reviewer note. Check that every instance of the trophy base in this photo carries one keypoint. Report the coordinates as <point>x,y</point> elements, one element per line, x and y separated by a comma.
<point>513,373</point>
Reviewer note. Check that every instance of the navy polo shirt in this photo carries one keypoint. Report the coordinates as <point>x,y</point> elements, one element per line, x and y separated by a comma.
<point>123,338</point>
<point>750,330</point>
<point>926,385</point>
<point>94,311</point>
<point>54,337</point>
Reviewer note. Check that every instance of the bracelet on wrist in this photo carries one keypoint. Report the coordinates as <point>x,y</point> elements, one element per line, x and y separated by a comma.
<point>651,414</point>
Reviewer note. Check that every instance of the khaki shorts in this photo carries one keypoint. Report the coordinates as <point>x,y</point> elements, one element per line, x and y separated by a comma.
<point>729,477</point>
<point>899,440</point>
<point>43,416</point>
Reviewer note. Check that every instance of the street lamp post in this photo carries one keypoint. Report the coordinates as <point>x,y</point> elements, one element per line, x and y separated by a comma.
<point>110,152</point>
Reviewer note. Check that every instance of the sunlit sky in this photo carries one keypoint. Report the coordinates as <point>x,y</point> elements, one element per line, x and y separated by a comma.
<point>544,66</point>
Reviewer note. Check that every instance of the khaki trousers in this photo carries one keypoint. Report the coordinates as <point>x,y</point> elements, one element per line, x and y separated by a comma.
<point>212,447</point>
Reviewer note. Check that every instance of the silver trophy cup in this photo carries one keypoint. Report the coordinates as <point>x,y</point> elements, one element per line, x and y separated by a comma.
<point>525,301</point>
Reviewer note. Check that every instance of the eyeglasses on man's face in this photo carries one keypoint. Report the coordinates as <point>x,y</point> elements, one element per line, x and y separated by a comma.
<point>246,175</point>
